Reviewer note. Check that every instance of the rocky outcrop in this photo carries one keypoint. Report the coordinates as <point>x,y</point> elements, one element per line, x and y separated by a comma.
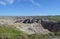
<point>51,26</point>
<point>30,20</point>
<point>32,24</point>
<point>32,28</point>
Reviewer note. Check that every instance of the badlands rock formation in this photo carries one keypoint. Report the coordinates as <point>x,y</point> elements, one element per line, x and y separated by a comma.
<point>31,24</point>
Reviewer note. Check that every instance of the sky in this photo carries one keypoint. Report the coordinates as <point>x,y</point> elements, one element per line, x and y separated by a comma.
<point>29,7</point>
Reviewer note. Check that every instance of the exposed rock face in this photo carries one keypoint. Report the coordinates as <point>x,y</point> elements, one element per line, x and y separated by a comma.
<point>31,20</point>
<point>33,24</point>
<point>32,28</point>
<point>51,26</point>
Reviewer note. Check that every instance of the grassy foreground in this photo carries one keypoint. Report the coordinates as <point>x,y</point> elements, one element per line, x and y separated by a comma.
<point>11,33</point>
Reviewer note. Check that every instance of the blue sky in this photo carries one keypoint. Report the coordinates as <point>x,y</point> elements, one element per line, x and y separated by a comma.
<point>29,7</point>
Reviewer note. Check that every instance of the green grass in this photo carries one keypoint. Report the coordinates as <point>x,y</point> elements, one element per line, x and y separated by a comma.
<point>4,29</point>
<point>56,18</point>
<point>10,32</point>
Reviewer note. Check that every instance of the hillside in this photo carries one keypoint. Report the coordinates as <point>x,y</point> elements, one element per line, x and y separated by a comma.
<point>32,24</point>
<point>29,25</point>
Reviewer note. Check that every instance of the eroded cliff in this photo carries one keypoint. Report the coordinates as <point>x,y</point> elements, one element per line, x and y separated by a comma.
<point>32,24</point>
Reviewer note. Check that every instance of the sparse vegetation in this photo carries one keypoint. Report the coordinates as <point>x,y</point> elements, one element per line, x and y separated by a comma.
<point>7,32</point>
<point>11,33</point>
<point>56,18</point>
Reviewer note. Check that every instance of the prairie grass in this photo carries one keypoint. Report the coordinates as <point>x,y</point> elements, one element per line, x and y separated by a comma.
<point>12,33</point>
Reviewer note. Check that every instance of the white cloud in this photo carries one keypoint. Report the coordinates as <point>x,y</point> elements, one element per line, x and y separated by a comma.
<point>2,3</point>
<point>32,1</point>
<point>35,3</point>
<point>5,2</point>
<point>10,1</point>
